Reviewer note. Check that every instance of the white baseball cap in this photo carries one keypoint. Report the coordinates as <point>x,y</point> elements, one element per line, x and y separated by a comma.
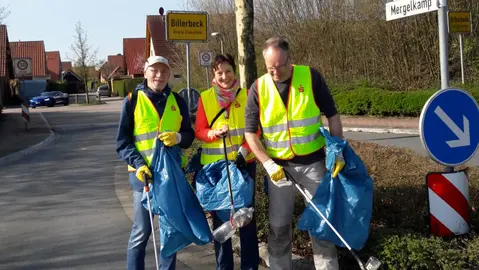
<point>156,59</point>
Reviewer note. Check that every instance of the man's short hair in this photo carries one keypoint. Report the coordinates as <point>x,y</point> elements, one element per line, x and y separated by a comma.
<point>276,42</point>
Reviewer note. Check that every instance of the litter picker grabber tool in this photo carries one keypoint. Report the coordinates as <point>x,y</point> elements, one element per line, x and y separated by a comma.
<point>230,188</point>
<point>372,264</point>
<point>225,231</point>
<point>147,189</point>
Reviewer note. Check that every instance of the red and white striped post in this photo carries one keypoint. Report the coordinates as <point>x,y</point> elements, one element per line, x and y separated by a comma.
<point>25,115</point>
<point>448,198</point>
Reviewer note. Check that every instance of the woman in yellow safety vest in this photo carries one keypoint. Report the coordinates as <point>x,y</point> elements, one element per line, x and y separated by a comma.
<point>224,103</point>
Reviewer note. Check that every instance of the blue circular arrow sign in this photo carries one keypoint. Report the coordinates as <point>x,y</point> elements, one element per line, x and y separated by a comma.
<point>449,126</point>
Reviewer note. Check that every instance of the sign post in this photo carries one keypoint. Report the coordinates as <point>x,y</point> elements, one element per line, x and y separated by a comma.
<point>450,135</point>
<point>187,27</point>
<point>25,115</point>
<point>205,61</point>
<point>460,22</point>
<point>404,8</point>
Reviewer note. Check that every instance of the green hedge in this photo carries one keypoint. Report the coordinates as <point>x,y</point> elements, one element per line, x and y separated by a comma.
<point>57,86</point>
<point>378,102</point>
<point>124,86</point>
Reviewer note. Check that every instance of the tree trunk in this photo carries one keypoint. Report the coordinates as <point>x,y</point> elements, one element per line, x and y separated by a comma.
<point>86,93</point>
<point>246,54</point>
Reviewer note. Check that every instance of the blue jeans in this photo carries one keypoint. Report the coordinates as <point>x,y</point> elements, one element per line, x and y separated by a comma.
<point>140,233</point>
<point>248,240</point>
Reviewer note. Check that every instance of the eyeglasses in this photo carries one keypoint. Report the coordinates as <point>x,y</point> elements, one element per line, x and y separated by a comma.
<point>278,67</point>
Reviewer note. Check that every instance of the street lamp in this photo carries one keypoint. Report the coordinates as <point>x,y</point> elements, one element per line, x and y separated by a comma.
<point>218,34</point>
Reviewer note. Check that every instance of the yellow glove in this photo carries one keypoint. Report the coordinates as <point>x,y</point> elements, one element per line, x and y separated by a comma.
<point>338,165</point>
<point>169,138</point>
<point>275,171</point>
<point>140,173</point>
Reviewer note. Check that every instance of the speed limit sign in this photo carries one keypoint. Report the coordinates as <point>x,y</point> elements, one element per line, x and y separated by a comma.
<point>206,58</point>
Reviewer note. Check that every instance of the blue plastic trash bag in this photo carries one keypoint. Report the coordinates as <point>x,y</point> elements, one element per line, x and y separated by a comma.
<point>346,201</point>
<point>212,188</point>
<point>182,220</point>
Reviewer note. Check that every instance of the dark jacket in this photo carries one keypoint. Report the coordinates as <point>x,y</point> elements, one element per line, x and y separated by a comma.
<point>125,145</point>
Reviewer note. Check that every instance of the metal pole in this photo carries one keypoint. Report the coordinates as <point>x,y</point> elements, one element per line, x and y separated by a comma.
<point>443,44</point>
<point>207,78</point>
<point>188,74</point>
<point>462,57</point>
<point>443,50</point>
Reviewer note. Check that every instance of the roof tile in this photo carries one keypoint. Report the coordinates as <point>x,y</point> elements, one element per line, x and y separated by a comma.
<point>67,66</point>
<point>134,52</point>
<point>54,64</point>
<point>34,50</point>
<point>156,30</point>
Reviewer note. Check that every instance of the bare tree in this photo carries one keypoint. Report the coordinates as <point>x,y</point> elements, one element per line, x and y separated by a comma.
<point>246,52</point>
<point>4,12</point>
<point>84,56</point>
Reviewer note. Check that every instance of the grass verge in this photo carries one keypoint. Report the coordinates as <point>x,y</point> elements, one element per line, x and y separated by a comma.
<point>399,226</point>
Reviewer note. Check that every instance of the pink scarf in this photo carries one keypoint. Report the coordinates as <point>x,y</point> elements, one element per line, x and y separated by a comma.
<point>225,96</point>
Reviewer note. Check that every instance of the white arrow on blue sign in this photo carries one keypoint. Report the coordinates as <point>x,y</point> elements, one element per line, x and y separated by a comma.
<point>449,126</point>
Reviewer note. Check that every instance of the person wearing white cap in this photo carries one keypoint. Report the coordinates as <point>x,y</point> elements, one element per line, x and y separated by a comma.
<point>150,110</point>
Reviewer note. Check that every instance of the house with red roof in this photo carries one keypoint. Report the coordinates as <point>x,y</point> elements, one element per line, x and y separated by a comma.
<point>54,65</point>
<point>134,54</point>
<point>67,66</point>
<point>35,51</point>
<point>156,44</point>
<point>114,67</point>
<point>6,68</point>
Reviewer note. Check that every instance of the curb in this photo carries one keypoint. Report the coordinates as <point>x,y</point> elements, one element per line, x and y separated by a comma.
<point>32,149</point>
<point>382,130</point>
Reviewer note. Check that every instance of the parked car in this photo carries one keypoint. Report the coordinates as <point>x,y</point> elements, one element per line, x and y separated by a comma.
<point>104,91</point>
<point>50,99</point>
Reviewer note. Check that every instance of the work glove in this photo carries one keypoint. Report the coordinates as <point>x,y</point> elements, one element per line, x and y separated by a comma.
<point>276,173</point>
<point>339,164</point>
<point>240,159</point>
<point>140,173</point>
<point>170,138</point>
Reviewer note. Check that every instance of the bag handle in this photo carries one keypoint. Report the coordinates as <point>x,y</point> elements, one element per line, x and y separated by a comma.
<point>222,110</point>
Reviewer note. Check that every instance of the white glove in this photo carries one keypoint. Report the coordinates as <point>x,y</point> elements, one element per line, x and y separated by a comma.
<point>276,173</point>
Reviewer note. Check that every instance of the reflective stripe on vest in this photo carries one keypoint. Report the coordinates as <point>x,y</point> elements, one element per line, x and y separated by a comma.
<point>214,151</point>
<point>293,130</point>
<point>147,124</point>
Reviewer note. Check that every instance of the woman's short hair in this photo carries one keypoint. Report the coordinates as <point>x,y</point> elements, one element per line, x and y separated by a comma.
<point>223,58</point>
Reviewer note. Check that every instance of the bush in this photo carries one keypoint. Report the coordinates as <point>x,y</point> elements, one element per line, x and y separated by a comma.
<point>413,251</point>
<point>57,86</point>
<point>365,100</point>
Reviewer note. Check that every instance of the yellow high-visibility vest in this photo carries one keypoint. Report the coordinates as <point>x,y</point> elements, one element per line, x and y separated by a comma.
<point>293,130</point>
<point>147,124</point>
<point>214,151</point>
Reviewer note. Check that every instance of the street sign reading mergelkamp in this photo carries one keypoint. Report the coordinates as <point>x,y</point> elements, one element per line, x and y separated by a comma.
<point>405,8</point>
<point>449,126</point>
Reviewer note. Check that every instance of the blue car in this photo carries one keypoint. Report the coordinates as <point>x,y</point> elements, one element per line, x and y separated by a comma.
<point>49,99</point>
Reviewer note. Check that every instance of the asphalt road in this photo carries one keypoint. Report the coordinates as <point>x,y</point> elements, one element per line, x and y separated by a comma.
<point>398,140</point>
<point>59,208</point>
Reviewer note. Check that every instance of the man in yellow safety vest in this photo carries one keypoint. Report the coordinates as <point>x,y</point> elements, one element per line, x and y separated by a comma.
<point>152,110</point>
<point>287,103</point>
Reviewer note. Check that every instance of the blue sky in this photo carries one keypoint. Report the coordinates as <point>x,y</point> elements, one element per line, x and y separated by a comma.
<point>106,22</point>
